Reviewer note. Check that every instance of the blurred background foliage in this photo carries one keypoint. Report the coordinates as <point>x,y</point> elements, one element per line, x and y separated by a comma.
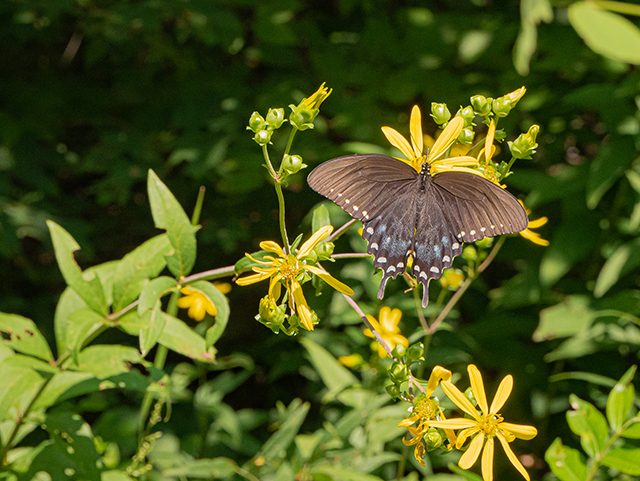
<point>95,93</point>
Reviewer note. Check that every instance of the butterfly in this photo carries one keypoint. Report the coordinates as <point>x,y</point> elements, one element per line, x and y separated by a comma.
<point>410,214</point>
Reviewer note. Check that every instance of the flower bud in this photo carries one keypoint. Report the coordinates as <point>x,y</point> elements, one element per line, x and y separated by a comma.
<point>467,114</point>
<point>452,279</point>
<point>393,391</point>
<point>502,106</point>
<point>433,439</point>
<point>324,250</point>
<point>256,122</point>
<point>275,118</point>
<point>397,372</point>
<point>481,105</point>
<point>398,351</point>
<point>469,253</point>
<point>311,257</point>
<point>269,312</point>
<point>440,113</point>
<point>263,137</point>
<point>302,117</point>
<point>292,164</point>
<point>415,352</point>
<point>466,136</point>
<point>525,145</point>
<point>514,97</point>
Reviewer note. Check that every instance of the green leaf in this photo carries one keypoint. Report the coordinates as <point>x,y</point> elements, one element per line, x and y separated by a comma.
<point>16,381</point>
<point>217,468</point>
<point>276,446</point>
<point>624,260</point>
<point>571,316</point>
<point>532,12</point>
<point>334,375</point>
<point>108,360</point>
<point>619,404</point>
<point>609,165</point>
<point>219,300</point>
<point>343,474</point>
<point>606,33</point>
<point>565,462</point>
<point>81,324</point>
<point>144,262</point>
<point>632,432</point>
<point>320,218</point>
<point>156,322</point>
<point>69,303</point>
<point>587,422</point>
<point>87,285</point>
<point>625,459</point>
<point>153,291</point>
<point>169,215</point>
<point>22,335</point>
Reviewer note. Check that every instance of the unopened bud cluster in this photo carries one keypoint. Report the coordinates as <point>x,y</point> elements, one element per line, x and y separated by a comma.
<point>264,127</point>
<point>400,370</point>
<point>525,145</point>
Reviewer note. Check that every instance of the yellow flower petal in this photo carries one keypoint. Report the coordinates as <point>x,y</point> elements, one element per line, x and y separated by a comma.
<point>455,423</point>
<point>275,288</point>
<point>335,283</point>
<point>459,399</point>
<point>252,279</point>
<point>465,433</point>
<point>447,137</point>
<point>272,247</point>
<point>184,302</point>
<point>478,388</point>
<point>489,148</point>
<point>223,287</point>
<point>408,421</point>
<point>305,317</point>
<point>318,236</point>
<point>487,460</point>
<point>389,319</point>
<point>438,373</point>
<point>399,142</point>
<point>301,305</point>
<point>415,127</point>
<point>534,224</point>
<point>534,237</point>
<point>470,456</point>
<point>502,394</point>
<point>520,431</point>
<point>512,457</point>
<point>516,95</point>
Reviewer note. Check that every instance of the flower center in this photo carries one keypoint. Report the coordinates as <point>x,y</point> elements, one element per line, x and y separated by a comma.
<point>490,424</point>
<point>290,267</point>
<point>426,409</point>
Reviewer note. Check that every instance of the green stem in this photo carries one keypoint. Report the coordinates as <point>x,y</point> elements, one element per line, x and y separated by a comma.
<point>195,218</point>
<point>210,274</point>
<point>292,134</point>
<point>283,227</point>
<point>605,449</point>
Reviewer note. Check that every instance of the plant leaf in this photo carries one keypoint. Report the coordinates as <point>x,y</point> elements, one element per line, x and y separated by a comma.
<point>22,335</point>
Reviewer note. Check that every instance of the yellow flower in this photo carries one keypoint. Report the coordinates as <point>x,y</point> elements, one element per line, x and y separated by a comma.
<point>319,96</point>
<point>388,329</point>
<point>198,304</point>
<point>534,224</point>
<point>288,269</point>
<point>485,426</point>
<point>352,360</point>
<point>426,410</point>
<point>414,151</point>
<point>452,279</point>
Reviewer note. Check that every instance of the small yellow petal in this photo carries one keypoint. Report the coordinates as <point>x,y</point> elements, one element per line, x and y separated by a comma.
<point>408,421</point>
<point>534,224</point>
<point>459,399</point>
<point>455,423</point>
<point>415,127</point>
<point>534,237</point>
<point>318,236</point>
<point>398,141</point>
<point>447,137</point>
<point>389,319</point>
<point>520,431</point>
<point>335,283</point>
<point>487,460</point>
<point>252,279</point>
<point>470,456</point>
<point>305,317</point>
<point>512,457</point>
<point>272,247</point>
<point>438,373</point>
<point>489,148</point>
<point>502,394</point>
<point>184,302</point>
<point>197,310</point>
<point>478,388</point>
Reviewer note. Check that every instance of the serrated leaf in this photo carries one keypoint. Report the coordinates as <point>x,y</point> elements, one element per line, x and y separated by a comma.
<point>320,218</point>
<point>624,260</point>
<point>153,291</point>
<point>625,459</point>
<point>219,300</point>
<point>87,285</point>
<point>168,214</point>
<point>22,335</point>
<point>155,322</point>
<point>144,262</point>
<point>565,462</point>
<point>587,422</point>
<point>334,375</point>
<point>605,32</point>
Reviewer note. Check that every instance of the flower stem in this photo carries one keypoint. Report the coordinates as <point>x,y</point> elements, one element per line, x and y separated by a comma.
<point>338,232</point>
<point>363,316</point>
<point>283,227</point>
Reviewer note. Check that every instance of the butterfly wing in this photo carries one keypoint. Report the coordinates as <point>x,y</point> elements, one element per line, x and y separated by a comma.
<point>380,191</point>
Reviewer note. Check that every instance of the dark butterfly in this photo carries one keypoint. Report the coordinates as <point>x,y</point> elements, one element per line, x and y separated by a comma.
<point>410,214</point>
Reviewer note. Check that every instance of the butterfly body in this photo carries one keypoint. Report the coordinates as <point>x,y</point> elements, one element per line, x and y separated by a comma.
<point>409,214</point>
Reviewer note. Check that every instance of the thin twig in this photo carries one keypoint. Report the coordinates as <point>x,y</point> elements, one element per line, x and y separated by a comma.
<point>341,230</point>
<point>366,321</point>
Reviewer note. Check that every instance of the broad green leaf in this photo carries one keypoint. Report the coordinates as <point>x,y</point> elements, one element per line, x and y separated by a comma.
<point>16,381</point>
<point>320,218</point>
<point>624,260</point>
<point>153,291</point>
<point>69,303</point>
<point>81,325</point>
<point>343,474</point>
<point>587,422</point>
<point>87,285</point>
<point>212,293</point>
<point>43,368</point>
<point>169,215</point>
<point>532,12</point>
<point>276,446</point>
<point>334,375</point>
<point>606,33</point>
<point>383,424</point>
<point>613,158</point>
<point>155,321</point>
<point>107,360</point>
<point>245,264</point>
<point>619,403</point>
<point>217,468</point>
<point>22,335</point>
<point>144,262</point>
<point>625,459</point>
<point>571,316</point>
<point>565,462</point>
<point>115,475</point>
<point>581,344</point>
<point>62,382</point>
<point>632,432</point>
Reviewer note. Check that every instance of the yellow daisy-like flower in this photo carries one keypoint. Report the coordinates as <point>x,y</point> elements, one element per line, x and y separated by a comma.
<point>388,329</point>
<point>485,426</point>
<point>424,412</point>
<point>534,224</point>
<point>197,303</point>
<point>287,269</point>
<point>414,151</point>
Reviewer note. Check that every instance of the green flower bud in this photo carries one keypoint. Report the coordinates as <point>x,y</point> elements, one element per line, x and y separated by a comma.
<point>263,137</point>
<point>433,439</point>
<point>397,372</point>
<point>256,122</point>
<point>393,391</point>
<point>466,135</point>
<point>415,352</point>
<point>469,253</point>
<point>500,135</point>
<point>398,351</point>
<point>311,257</point>
<point>302,117</point>
<point>467,114</point>
<point>440,113</point>
<point>292,164</point>
<point>468,393</point>
<point>485,243</point>
<point>502,106</point>
<point>324,250</point>
<point>481,105</point>
<point>275,118</point>
<point>267,309</point>
<point>525,145</point>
